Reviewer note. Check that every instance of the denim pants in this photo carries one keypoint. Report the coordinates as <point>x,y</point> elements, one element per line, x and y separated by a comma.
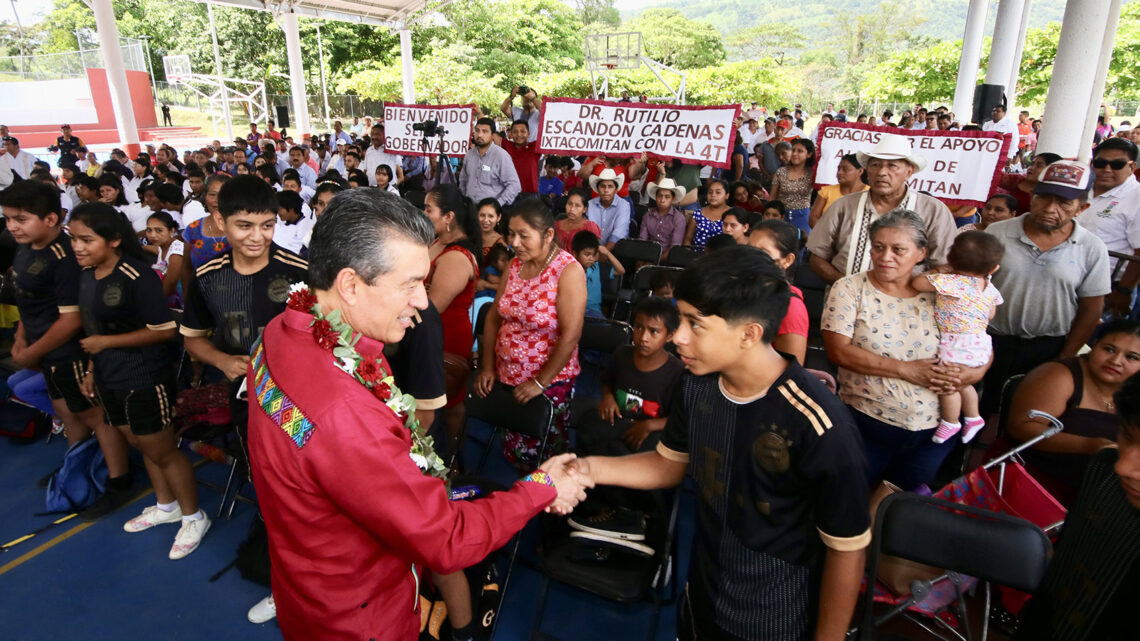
<point>907,459</point>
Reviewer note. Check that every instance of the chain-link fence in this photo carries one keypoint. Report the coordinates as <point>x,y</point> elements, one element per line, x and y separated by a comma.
<point>69,64</point>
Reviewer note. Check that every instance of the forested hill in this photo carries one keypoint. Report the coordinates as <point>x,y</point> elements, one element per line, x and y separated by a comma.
<point>945,19</point>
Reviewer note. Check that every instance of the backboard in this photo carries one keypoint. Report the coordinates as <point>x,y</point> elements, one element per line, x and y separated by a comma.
<point>177,68</point>
<point>613,50</point>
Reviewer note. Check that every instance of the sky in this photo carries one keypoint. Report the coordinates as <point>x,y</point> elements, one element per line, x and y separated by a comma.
<point>30,11</point>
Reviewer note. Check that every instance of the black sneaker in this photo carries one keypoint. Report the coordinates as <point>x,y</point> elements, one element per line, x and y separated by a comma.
<point>618,523</point>
<point>620,545</point>
<point>110,501</point>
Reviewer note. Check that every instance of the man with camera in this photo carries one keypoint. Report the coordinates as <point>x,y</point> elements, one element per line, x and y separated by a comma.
<point>531,110</point>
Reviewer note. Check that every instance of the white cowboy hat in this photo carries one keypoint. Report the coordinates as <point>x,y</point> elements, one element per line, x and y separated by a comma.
<point>666,184</point>
<point>893,147</point>
<point>607,174</point>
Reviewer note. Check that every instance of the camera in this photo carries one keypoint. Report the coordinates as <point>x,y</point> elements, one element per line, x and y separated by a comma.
<point>429,128</point>
<point>524,90</point>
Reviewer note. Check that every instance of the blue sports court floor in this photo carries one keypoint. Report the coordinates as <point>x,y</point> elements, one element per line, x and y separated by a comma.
<point>93,581</point>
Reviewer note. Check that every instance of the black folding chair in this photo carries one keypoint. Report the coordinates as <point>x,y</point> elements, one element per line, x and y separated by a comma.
<point>604,335</point>
<point>963,540</point>
<point>640,286</point>
<point>681,256</point>
<point>623,579</point>
<point>631,251</point>
<point>503,413</point>
<point>1122,263</point>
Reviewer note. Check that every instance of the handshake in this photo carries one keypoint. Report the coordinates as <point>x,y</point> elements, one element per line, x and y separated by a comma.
<point>571,476</point>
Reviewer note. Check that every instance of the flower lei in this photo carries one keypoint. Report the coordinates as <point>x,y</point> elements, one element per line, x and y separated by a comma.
<point>337,336</point>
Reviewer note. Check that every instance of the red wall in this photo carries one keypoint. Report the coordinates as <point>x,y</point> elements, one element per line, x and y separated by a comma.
<point>103,130</point>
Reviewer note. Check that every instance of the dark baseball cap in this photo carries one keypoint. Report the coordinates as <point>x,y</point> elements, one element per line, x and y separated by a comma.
<point>1067,179</point>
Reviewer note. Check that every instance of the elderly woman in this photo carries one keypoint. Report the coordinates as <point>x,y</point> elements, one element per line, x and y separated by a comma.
<point>881,333</point>
<point>1079,391</point>
<point>530,337</point>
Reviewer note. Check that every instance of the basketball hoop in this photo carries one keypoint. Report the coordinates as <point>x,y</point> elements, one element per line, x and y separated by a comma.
<point>177,68</point>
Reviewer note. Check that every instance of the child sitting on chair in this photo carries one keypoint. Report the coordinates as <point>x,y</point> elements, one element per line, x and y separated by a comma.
<point>965,301</point>
<point>588,250</point>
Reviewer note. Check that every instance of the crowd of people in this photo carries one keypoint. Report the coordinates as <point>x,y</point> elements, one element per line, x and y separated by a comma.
<point>272,267</point>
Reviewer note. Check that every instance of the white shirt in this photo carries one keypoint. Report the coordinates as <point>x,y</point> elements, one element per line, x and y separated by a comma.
<point>751,139</point>
<point>1114,217</point>
<point>374,157</point>
<point>191,211</point>
<point>22,164</point>
<point>1004,126</point>
<point>292,237</point>
<point>307,174</point>
<point>139,213</point>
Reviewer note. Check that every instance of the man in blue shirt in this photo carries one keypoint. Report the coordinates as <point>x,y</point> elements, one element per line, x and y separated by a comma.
<point>488,171</point>
<point>609,212</point>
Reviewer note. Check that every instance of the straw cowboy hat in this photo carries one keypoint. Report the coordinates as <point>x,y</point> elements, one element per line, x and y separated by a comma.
<point>892,147</point>
<point>607,174</point>
<point>668,185</point>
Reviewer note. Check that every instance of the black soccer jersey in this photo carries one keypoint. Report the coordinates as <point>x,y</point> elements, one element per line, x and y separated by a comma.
<point>128,299</point>
<point>778,477</point>
<point>47,285</point>
<point>237,307</point>
<point>417,360</point>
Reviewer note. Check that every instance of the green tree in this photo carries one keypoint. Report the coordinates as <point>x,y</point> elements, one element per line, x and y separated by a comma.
<point>443,76</point>
<point>766,40</point>
<point>929,74</point>
<point>863,40</point>
<point>670,38</point>
<point>598,12</point>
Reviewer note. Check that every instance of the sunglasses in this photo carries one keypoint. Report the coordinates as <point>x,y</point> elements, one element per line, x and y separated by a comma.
<point>1117,165</point>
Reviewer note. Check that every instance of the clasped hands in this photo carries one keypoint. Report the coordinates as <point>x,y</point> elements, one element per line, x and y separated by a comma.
<point>571,477</point>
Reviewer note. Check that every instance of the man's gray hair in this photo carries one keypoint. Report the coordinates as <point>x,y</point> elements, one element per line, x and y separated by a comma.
<point>354,231</point>
<point>907,220</point>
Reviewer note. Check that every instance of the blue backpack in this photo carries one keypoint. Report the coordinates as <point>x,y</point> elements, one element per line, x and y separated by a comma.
<point>80,480</point>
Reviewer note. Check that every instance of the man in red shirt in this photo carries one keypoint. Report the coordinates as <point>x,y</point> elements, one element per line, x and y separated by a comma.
<point>352,519</point>
<point>525,156</point>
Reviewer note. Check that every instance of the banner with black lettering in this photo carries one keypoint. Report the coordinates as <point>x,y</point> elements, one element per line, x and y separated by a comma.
<point>402,137</point>
<point>962,167</point>
<point>691,134</point>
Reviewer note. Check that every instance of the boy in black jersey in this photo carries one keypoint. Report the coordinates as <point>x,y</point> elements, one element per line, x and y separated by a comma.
<point>47,339</point>
<point>782,516</point>
<point>235,295</point>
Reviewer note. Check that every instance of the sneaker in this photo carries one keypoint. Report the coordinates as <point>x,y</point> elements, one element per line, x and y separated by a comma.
<point>151,517</point>
<point>43,482</point>
<point>616,544</point>
<point>265,610</point>
<point>109,502</point>
<point>189,536</point>
<point>619,523</point>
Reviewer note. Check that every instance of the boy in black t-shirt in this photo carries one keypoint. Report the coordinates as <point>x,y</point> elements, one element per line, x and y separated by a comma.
<point>235,295</point>
<point>782,514</point>
<point>638,388</point>
<point>47,339</point>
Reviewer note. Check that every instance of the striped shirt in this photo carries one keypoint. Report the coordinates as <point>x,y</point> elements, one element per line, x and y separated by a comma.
<point>237,307</point>
<point>778,476</point>
<point>130,298</point>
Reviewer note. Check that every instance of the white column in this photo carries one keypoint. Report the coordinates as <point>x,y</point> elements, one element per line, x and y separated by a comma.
<point>1004,43</point>
<point>116,76</point>
<point>221,79</point>
<point>296,76</point>
<point>1099,79</point>
<point>1015,68</point>
<point>971,57</point>
<point>1074,71</point>
<point>407,70</point>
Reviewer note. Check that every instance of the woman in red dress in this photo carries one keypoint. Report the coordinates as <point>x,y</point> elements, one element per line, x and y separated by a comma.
<point>451,288</point>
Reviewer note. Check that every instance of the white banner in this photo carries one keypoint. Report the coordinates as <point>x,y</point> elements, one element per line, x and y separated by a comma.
<point>962,167</point>
<point>693,135</point>
<point>401,138</point>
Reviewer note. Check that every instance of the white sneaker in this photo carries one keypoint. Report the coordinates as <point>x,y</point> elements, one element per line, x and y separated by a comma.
<point>151,517</point>
<point>189,536</point>
<point>265,610</point>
